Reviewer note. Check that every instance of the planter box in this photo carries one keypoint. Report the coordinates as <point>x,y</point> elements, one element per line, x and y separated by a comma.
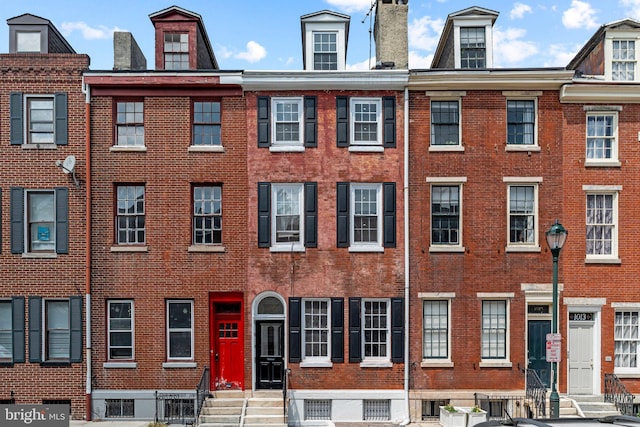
<point>453,419</point>
<point>474,418</point>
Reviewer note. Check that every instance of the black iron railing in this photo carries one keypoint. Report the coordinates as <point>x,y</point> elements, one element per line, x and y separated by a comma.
<point>285,383</point>
<point>616,392</point>
<point>504,407</point>
<point>536,393</point>
<point>202,391</point>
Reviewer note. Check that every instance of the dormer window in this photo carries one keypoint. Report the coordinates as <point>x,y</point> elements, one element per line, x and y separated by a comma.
<point>623,66</point>
<point>325,53</point>
<point>28,41</point>
<point>473,52</point>
<point>176,51</point>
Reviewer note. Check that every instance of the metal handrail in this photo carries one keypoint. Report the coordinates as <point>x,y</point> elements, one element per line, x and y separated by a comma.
<point>202,391</point>
<point>616,392</point>
<point>536,391</point>
<point>285,381</point>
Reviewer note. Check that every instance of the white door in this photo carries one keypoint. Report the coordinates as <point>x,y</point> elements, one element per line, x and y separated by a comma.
<point>580,357</point>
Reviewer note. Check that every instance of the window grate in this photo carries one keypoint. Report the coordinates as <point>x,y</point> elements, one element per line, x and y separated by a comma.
<point>119,408</point>
<point>376,410</point>
<point>431,408</point>
<point>317,409</point>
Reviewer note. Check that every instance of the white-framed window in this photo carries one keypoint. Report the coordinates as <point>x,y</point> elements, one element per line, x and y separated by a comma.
<point>445,123</point>
<point>521,122</point>
<point>621,55</point>
<point>601,223</point>
<point>28,41</point>
<point>287,119</point>
<point>179,329</point>
<point>436,330</point>
<point>366,215</point>
<point>365,121</point>
<point>6,330</point>
<point>376,333</point>
<point>120,329</point>
<point>130,216</point>
<point>601,138</point>
<point>130,124</point>
<point>206,124</point>
<point>626,341</point>
<point>316,321</point>
<point>495,330</point>
<point>41,221</point>
<point>522,213</point>
<point>176,51</point>
<point>40,119</point>
<point>446,213</point>
<point>325,50</point>
<point>57,328</point>
<point>207,214</point>
<point>287,227</point>
<point>473,47</point>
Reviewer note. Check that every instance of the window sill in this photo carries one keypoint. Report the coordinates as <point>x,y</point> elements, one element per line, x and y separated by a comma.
<point>603,260</point>
<point>136,148</point>
<point>296,247</point>
<point>522,249</point>
<point>376,364</point>
<point>206,248</point>
<point>120,365</point>
<point>125,248</point>
<point>35,255</point>
<point>179,365</point>
<point>287,148</point>
<point>602,164</point>
<point>495,364</point>
<point>318,364</point>
<point>206,149</point>
<point>366,149</point>
<point>627,374</point>
<point>39,146</point>
<point>436,364</point>
<point>521,148</point>
<point>446,148</point>
<point>447,248</point>
<point>366,248</point>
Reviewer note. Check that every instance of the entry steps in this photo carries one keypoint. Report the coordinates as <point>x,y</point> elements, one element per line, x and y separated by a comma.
<point>237,408</point>
<point>590,406</point>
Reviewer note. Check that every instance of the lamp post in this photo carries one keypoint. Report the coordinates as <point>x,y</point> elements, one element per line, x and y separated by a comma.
<point>556,237</point>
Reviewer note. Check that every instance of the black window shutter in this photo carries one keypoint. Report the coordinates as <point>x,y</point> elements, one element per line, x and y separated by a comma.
<point>337,330</point>
<point>17,309</point>
<point>16,118</point>
<point>295,332</point>
<point>75,316</point>
<point>311,214</point>
<point>264,118</point>
<point>342,121</point>
<point>35,331</point>
<point>342,207</point>
<point>264,214</point>
<point>389,121</point>
<point>61,118</point>
<point>389,203</point>
<point>62,220</point>
<point>355,344</point>
<point>397,330</point>
<point>310,121</point>
<point>17,220</point>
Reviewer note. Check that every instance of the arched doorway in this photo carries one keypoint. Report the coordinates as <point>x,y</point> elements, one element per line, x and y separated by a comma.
<point>268,340</point>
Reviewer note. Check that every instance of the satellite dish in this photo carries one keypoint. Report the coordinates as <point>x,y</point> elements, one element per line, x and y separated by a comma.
<point>69,164</point>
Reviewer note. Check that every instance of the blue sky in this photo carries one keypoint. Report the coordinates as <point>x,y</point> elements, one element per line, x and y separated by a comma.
<point>265,35</point>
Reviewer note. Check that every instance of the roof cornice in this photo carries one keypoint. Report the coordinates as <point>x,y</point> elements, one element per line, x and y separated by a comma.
<point>328,80</point>
<point>599,92</point>
<point>549,78</point>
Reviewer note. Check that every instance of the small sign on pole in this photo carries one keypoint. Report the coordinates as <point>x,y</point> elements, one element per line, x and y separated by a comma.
<point>553,347</point>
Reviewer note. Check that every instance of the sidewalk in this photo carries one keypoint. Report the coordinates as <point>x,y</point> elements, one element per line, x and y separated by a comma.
<point>76,423</point>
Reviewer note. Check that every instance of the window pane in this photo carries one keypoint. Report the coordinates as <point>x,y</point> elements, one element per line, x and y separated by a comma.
<point>445,215</point>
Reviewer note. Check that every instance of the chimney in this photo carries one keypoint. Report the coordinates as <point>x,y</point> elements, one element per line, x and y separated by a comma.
<point>126,52</point>
<point>391,34</point>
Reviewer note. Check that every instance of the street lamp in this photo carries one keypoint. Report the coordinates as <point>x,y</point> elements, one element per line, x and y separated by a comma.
<point>556,237</point>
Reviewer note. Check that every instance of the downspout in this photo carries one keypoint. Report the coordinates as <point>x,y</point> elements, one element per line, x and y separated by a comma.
<point>87,114</point>
<point>406,257</point>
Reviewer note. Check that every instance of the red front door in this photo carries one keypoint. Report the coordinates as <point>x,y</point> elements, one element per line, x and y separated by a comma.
<point>227,360</point>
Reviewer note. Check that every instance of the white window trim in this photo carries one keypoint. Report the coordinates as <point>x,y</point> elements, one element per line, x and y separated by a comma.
<point>612,35</point>
<point>287,246</point>
<point>325,27</point>
<point>459,181</point>
<point>447,96</point>
<point>379,362</point>
<point>9,329</point>
<point>365,100</point>
<point>133,332</point>
<point>316,361</point>
<point>365,247</point>
<point>287,145</point>
<point>173,360</point>
<point>523,96</point>
<point>27,251</point>
<point>613,161</point>
<point>27,144</point>
<point>625,372</point>
<point>44,311</point>
<point>613,190</point>
<point>313,48</point>
<point>125,147</point>
<point>504,296</point>
<point>519,182</point>
<point>433,362</point>
<point>488,38</point>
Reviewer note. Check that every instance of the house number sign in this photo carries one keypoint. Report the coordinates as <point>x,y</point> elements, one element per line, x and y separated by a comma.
<point>581,317</point>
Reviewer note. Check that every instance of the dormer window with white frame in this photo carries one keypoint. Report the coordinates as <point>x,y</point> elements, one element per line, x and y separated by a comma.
<point>325,51</point>
<point>621,56</point>
<point>473,44</point>
<point>324,41</point>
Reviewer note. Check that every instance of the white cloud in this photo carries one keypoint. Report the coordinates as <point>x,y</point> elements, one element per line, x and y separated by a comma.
<point>254,53</point>
<point>363,65</point>
<point>417,61</point>
<point>631,8</point>
<point>519,9</point>
<point>88,33</point>
<point>509,48</point>
<point>424,33</point>
<point>580,15</point>
<point>351,6</point>
<point>559,55</point>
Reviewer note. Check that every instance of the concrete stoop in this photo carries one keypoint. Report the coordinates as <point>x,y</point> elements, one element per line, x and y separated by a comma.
<point>231,408</point>
<point>593,407</point>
